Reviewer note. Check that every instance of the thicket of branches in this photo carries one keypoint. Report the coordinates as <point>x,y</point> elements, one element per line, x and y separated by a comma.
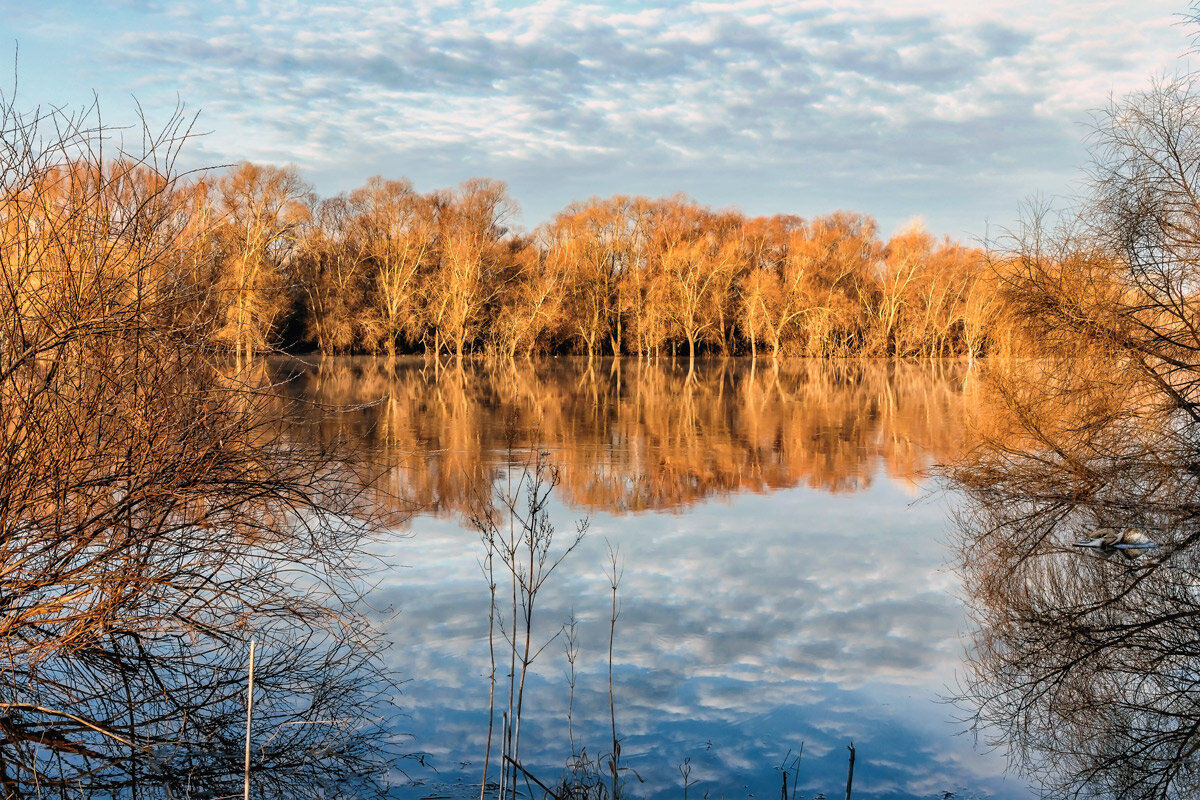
<point>385,269</point>
<point>1086,668</point>
<point>154,517</point>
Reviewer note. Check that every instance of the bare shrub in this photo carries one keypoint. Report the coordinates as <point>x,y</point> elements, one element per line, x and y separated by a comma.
<point>153,515</point>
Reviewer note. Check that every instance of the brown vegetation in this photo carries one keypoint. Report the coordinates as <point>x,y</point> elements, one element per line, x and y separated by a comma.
<point>153,517</point>
<point>1085,667</point>
<point>384,269</point>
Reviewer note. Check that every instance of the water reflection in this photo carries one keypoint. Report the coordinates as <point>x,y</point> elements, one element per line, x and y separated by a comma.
<point>634,436</point>
<point>781,583</point>
<point>1086,668</point>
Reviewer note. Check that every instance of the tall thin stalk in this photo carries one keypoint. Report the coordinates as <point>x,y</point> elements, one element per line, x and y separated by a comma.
<point>850,770</point>
<point>614,579</point>
<point>511,549</point>
<point>490,573</point>
<point>249,721</point>
<point>572,648</point>
<point>526,551</point>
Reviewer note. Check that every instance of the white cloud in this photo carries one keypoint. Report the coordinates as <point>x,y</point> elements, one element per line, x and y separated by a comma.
<point>941,108</point>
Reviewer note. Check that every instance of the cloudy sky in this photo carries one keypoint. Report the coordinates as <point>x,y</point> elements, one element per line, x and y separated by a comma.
<point>949,110</point>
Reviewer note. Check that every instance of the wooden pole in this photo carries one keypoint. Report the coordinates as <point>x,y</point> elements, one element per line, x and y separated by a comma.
<point>850,774</point>
<point>250,719</point>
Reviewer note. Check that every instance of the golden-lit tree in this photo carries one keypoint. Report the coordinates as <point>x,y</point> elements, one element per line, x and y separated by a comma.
<point>471,253</point>
<point>688,256</point>
<point>331,271</point>
<point>530,304</point>
<point>260,208</point>
<point>763,247</point>
<point>396,230</point>
<point>731,263</point>
<point>837,254</point>
<point>905,256</point>
<point>781,290</point>
<point>596,250</point>
<point>584,251</point>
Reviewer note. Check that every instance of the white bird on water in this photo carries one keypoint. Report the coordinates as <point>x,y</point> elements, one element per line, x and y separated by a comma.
<point>1119,539</point>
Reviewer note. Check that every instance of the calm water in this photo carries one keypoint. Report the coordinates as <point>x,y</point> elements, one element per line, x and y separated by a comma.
<point>786,569</point>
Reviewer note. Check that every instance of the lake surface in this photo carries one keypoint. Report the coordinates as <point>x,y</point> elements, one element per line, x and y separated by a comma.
<point>785,566</point>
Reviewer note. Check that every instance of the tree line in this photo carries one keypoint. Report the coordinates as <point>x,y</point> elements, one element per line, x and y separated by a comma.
<point>386,269</point>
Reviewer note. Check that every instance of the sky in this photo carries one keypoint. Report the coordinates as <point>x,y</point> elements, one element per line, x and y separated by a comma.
<point>952,111</point>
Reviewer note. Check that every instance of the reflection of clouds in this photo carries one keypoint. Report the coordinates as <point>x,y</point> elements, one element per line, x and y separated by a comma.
<point>753,624</point>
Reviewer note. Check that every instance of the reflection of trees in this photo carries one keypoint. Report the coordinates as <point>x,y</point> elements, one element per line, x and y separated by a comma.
<point>1085,665</point>
<point>637,436</point>
<point>1087,668</point>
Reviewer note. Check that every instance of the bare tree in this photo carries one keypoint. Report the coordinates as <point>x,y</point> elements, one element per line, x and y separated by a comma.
<point>1086,667</point>
<point>154,518</point>
<point>468,280</point>
<point>395,229</point>
<point>330,268</point>
<point>260,208</point>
